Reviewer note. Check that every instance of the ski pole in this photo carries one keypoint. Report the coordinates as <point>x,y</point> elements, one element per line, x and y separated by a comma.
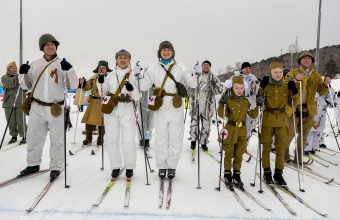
<point>102,127</point>
<point>143,136</point>
<point>301,130</point>
<point>260,154</point>
<point>75,130</point>
<point>333,130</point>
<point>10,115</point>
<point>65,164</point>
<point>223,134</point>
<point>259,147</point>
<point>198,128</point>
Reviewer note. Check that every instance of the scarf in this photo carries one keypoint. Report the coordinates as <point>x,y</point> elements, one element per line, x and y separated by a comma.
<point>272,82</point>
<point>234,96</point>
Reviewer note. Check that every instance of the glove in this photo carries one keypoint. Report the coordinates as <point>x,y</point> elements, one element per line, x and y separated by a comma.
<point>65,65</point>
<point>128,86</point>
<point>224,98</point>
<point>198,69</point>
<point>292,87</point>
<point>264,82</point>
<point>24,68</point>
<point>84,84</point>
<point>137,70</point>
<point>101,79</point>
<point>259,101</point>
<point>213,83</point>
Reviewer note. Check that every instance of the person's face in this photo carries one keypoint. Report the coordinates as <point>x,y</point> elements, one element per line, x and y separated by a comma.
<point>205,67</point>
<point>49,49</point>
<point>13,70</point>
<point>123,61</point>
<point>246,70</point>
<point>238,89</point>
<point>306,61</point>
<point>166,53</point>
<point>277,74</point>
<point>102,69</point>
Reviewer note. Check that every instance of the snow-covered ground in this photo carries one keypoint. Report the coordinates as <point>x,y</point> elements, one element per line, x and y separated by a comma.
<point>87,183</point>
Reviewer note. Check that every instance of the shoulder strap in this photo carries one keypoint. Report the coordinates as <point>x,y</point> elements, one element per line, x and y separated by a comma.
<point>166,77</point>
<point>40,76</point>
<point>168,72</point>
<point>122,83</point>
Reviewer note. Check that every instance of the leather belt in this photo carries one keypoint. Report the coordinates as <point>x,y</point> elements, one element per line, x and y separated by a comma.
<point>240,124</point>
<point>94,97</point>
<point>304,114</point>
<point>167,94</point>
<point>47,104</point>
<point>275,111</point>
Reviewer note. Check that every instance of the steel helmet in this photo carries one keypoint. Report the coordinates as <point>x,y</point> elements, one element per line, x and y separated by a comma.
<point>47,38</point>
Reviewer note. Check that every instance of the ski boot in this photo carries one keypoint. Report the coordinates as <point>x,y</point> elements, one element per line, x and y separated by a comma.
<point>193,145</point>
<point>171,173</point>
<point>13,140</point>
<point>29,170</point>
<point>85,142</point>
<point>23,141</point>
<point>162,173</point>
<point>322,146</point>
<point>115,173</point>
<point>147,144</point>
<point>237,179</point>
<point>267,176</point>
<point>204,147</point>
<point>279,178</point>
<point>129,173</point>
<point>306,153</point>
<point>228,181</point>
<point>54,174</point>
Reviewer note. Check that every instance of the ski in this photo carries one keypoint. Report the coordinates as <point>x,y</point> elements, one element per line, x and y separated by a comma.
<point>240,201</point>
<point>212,156</point>
<point>247,159</point>
<point>286,190</point>
<point>308,162</point>
<point>107,189</point>
<point>332,150</point>
<point>321,158</point>
<point>13,145</point>
<point>251,196</point>
<point>168,195</point>
<point>161,194</point>
<point>78,150</point>
<point>18,179</point>
<point>93,152</point>
<point>127,192</point>
<point>319,162</point>
<point>250,155</point>
<point>43,193</point>
<point>192,155</point>
<point>325,152</point>
<point>278,196</point>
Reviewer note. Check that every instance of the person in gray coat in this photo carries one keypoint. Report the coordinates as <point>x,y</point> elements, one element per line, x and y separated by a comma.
<point>17,122</point>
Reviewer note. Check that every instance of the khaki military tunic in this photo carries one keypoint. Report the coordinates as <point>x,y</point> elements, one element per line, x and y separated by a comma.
<point>274,122</point>
<point>236,142</point>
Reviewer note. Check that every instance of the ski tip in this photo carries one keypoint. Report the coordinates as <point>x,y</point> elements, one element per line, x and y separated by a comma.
<point>70,152</point>
<point>92,152</point>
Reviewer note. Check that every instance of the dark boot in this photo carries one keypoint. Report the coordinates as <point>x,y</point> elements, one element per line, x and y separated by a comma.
<point>193,145</point>
<point>85,142</point>
<point>147,143</point>
<point>13,140</point>
<point>279,178</point>
<point>29,170</point>
<point>204,147</point>
<point>267,175</point>
<point>23,141</point>
<point>228,180</point>
<point>237,179</point>
<point>322,146</point>
<point>115,173</point>
<point>171,173</point>
<point>54,175</point>
<point>162,173</point>
<point>129,173</point>
<point>88,132</point>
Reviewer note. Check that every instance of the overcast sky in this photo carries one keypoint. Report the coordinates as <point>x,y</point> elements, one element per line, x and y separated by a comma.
<point>222,31</point>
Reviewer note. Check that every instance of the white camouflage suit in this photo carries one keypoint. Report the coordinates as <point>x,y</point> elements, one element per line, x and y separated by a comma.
<point>40,117</point>
<point>250,94</point>
<point>168,120</point>
<point>120,127</point>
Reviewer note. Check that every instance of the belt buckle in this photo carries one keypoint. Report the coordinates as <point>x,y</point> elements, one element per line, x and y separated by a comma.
<point>239,124</point>
<point>276,112</point>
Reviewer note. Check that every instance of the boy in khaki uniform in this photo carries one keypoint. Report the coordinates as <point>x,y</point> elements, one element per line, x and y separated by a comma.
<point>311,83</point>
<point>235,144</point>
<point>277,97</point>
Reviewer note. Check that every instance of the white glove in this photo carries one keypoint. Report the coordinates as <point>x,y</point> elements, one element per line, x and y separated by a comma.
<point>137,70</point>
<point>198,69</point>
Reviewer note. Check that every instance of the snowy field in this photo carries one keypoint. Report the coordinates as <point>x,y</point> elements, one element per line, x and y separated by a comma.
<point>87,183</point>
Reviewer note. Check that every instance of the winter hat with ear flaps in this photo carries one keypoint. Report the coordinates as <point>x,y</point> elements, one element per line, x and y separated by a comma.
<point>303,54</point>
<point>45,38</point>
<point>103,63</point>
<point>163,45</point>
